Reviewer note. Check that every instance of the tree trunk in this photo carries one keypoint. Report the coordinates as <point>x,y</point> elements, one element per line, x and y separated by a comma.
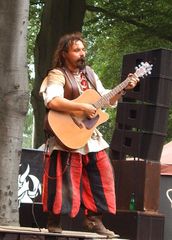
<point>59,17</point>
<point>13,102</point>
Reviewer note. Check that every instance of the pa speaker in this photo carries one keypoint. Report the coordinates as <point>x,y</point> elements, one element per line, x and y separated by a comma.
<point>142,117</point>
<point>143,145</point>
<point>155,88</point>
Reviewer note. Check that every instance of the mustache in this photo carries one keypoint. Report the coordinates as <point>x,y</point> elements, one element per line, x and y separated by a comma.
<point>81,63</point>
<point>82,60</point>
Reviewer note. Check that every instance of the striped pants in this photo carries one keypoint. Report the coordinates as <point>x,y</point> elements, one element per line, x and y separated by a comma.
<point>72,179</point>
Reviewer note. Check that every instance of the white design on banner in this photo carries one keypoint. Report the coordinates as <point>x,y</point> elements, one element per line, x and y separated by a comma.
<point>168,196</point>
<point>25,180</point>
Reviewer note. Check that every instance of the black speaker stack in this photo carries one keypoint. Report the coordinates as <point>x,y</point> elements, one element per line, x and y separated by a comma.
<point>142,116</point>
<point>136,145</point>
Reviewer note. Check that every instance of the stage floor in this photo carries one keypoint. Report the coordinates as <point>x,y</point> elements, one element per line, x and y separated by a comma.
<point>26,233</point>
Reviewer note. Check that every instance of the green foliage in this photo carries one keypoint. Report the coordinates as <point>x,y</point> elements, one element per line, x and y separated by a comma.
<point>33,28</point>
<point>35,11</point>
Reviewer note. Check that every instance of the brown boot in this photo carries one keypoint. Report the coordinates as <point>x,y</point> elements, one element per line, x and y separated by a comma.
<point>94,224</point>
<point>54,224</point>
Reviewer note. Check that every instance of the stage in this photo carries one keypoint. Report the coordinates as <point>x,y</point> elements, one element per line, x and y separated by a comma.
<point>26,233</point>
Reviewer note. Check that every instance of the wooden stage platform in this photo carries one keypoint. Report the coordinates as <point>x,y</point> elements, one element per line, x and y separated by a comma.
<point>25,233</point>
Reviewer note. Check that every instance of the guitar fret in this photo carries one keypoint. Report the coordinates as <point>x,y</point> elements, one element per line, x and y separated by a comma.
<point>105,98</point>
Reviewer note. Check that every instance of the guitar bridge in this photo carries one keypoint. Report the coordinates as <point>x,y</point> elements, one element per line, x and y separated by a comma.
<point>90,122</point>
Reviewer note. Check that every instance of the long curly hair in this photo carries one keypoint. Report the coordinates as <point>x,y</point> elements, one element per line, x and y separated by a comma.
<point>63,46</point>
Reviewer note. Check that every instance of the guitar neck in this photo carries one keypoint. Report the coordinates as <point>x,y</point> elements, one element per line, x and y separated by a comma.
<point>144,68</point>
<point>105,98</point>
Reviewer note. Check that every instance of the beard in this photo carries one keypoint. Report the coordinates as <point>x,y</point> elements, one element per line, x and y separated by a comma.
<point>81,63</point>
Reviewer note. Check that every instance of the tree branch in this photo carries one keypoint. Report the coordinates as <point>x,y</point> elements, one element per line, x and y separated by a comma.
<point>146,28</point>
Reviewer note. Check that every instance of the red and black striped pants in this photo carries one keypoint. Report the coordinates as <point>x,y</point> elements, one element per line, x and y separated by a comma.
<point>72,179</point>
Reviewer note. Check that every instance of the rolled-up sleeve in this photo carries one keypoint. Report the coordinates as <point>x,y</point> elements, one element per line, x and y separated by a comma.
<point>54,86</point>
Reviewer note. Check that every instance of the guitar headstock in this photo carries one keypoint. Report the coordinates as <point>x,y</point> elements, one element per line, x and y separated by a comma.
<point>143,69</point>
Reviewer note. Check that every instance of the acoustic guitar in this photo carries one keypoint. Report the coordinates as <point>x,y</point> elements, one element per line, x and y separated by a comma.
<point>73,131</point>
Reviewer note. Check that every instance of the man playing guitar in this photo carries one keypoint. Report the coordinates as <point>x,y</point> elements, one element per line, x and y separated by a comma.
<point>78,170</point>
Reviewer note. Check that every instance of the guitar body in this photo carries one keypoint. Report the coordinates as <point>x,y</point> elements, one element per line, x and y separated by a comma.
<point>72,131</point>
